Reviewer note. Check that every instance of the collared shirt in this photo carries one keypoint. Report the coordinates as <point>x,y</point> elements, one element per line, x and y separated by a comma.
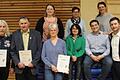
<point>115,47</point>
<point>25,36</point>
<point>97,43</point>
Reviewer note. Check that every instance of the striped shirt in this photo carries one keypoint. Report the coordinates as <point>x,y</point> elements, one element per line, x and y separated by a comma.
<point>115,46</point>
<point>97,44</point>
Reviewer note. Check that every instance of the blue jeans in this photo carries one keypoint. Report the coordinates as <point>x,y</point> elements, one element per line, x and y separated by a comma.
<point>77,69</point>
<point>50,75</point>
<point>40,71</point>
<point>106,63</point>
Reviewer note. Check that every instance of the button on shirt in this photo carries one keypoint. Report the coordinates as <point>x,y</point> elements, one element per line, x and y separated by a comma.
<point>97,44</point>
<point>25,36</point>
<point>115,47</point>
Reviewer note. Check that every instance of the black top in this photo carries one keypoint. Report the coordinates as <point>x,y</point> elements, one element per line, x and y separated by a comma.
<point>5,44</point>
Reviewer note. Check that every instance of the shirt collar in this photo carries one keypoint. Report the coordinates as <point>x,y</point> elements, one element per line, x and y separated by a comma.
<point>100,32</point>
<point>72,36</point>
<point>118,34</point>
<point>26,31</point>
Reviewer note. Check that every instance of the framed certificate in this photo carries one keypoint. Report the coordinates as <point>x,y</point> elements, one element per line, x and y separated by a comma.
<point>25,57</point>
<point>63,63</point>
<point>3,58</point>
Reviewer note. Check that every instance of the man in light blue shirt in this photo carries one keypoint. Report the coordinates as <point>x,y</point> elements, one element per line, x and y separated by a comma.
<point>97,50</point>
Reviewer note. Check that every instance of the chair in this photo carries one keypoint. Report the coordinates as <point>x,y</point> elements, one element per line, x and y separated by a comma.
<point>96,70</point>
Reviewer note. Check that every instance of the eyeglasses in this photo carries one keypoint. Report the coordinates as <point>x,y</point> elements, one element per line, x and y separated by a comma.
<point>75,12</point>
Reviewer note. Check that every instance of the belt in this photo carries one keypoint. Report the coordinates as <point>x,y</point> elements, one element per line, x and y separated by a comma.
<point>97,53</point>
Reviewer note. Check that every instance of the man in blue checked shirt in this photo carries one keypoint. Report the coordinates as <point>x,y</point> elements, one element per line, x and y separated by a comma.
<point>97,50</point>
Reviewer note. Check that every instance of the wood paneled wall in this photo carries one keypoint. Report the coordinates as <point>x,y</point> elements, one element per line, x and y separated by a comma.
<point>114,7</point>
<point>11,10</point>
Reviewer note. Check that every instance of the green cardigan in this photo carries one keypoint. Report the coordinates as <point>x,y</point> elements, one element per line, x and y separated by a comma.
<point>76,48</point>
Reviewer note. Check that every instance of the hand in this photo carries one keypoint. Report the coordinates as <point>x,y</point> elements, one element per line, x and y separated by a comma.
<point>107,33</point>
<point>54,68</point>
<point>67,72</point>
<point>30,65</point>
<point>74,58</point>
<point>110,32</point>
<point>11,70</point>
<point>100,57</point>
<point>21,65</point>
<point>94,58</point>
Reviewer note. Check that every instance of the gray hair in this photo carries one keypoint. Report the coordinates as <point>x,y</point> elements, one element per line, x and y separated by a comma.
<point>53,26</point>
<point>7,32</point>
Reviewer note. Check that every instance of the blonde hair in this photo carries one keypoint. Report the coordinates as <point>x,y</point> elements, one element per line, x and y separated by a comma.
<point>7,32</point>
<point>53,26</point>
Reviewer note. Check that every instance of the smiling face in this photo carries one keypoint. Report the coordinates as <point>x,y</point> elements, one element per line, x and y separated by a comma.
<point>53,30</point>
<point>24,24</point>
<point>50,10</point>
<point>75,13</point>
<point>2,28</point>
<point>115,26</point>
<point>102,9</point>
<point>95,27</point>
<point>74,31</point>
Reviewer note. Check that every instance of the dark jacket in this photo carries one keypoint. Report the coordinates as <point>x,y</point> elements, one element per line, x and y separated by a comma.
<point>34,45</point>
<point>5,43</point>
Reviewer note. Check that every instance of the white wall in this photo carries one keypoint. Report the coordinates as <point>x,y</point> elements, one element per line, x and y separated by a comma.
<point>89,11</point>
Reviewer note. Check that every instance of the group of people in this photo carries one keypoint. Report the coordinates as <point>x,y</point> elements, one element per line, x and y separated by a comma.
<point>48,41</point>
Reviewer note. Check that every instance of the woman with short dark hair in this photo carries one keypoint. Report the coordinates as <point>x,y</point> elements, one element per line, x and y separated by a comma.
<point>75,43</point>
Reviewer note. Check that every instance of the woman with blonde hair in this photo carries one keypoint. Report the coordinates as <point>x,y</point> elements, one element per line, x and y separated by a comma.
<point>6,30</point>
<point>5,41</point>
<point>50,51</point>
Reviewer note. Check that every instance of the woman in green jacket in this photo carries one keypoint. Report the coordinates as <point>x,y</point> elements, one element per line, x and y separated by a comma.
<point>75,43</point>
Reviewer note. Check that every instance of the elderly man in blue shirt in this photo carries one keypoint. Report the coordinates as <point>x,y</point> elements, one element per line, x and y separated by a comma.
<point>97,50</point>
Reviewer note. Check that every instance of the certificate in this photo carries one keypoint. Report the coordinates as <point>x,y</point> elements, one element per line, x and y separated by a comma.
<point>25,57</point>
<point>3,57</point>
<point>63,63</point>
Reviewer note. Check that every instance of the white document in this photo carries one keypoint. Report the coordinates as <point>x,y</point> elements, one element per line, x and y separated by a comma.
<point>63,63</point>
<point>3,58</point>
<point>25,57</point>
